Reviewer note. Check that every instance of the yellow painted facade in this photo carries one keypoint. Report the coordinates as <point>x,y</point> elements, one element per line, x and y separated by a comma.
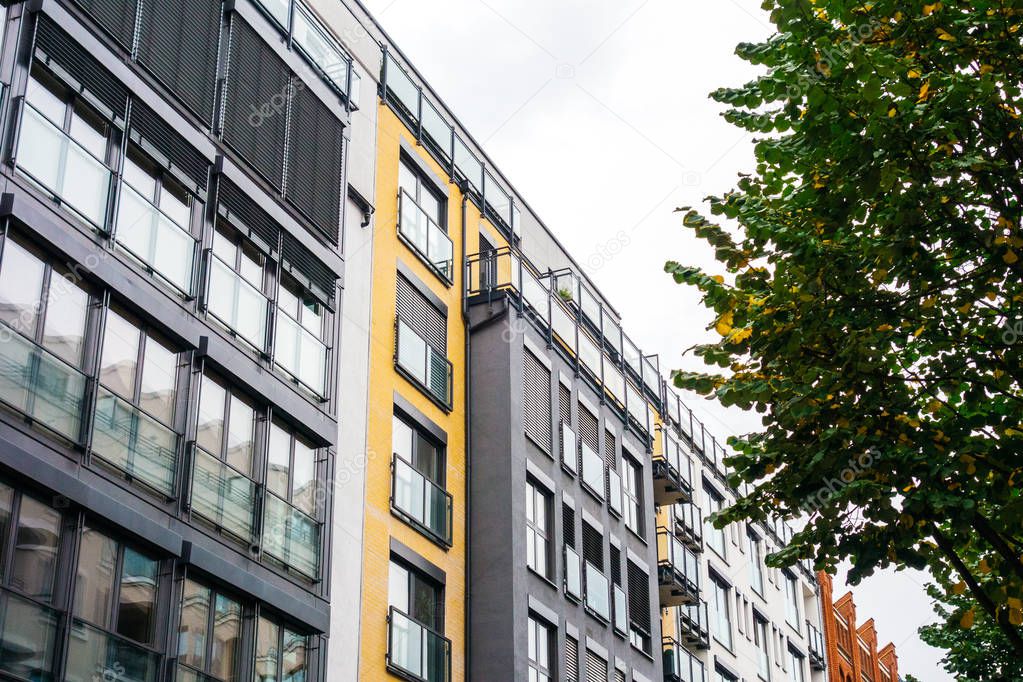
<point>380,524</point>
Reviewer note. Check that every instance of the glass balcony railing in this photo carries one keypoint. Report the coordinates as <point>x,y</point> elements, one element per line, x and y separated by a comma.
<point>291,537</point>
<point>300,353</point>
<point>66,169</point>
<point>96,655</point>
<point>162,245</point>
<point>678,571</point>
<point>40,385</point>
<point>426,237</point>
<point>593,471</point>
<point>573,574</point>
<point>422,363</point>
<point>818,656</point>
<point>673,472</point>
<point>417,651</point>
<point>689,525</point>
<point>237,304</point>
<point>420,500</point>
<point>621,610</point>
<point>679,664</point>
<point>569,449</point>
<point>320,48</point>
<point>130,440</point>
<point>222,496</point>
<point>28,635</point>
<point>598,593</point>
<point>694,625</point>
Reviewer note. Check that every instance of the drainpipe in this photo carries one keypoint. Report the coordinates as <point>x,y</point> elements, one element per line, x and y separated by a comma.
<point>468,439</point>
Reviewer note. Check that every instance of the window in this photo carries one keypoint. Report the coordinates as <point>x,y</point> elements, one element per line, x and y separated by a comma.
<point>416,645</point>
<point>540,646</point>
<point>596,667</point>
<point>421,347</point>
<point>756,562</point>
<point>291,533</point>
<point>281,653</point>
<point>237,287</point>
<point>715,536</point>
<point>421,221</point>
<point>418,493</point>
<point>209,635</point>
<point>639,607</point>
<point>720,612</point>
<point>115,610</point>
<point>154,219</point>
<point>573,564</point>
<point>760,642</point>
<point>43,318</point>
<point>537,530</point>
<point>721,675</point>
<point>796,672</point>
<point>536,401</point>
<point>63,146</point>
<point>300,336</point>
<point>792,598</point>
<point>597,585</point>
<point>571,659</point>
<point>632,491</point>
<point>136,403</point>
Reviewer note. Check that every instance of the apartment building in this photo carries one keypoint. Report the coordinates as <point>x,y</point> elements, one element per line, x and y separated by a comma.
<point>171,271</point>
<point>853,652</point>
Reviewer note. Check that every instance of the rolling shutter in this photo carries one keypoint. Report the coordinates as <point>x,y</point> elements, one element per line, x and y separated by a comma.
<point>610,451</point>
<point>565,403</point>
<point>179,43</point>
<point>314,163</point>
<point>639,598</point>
<point>536,400</point>
<point>69,61</point>
<point>158,139</point>
<point>422,316</point>
<point>588,430</point>
<point>246,216</point>
<point>568,525</point>
<point>593,546</point>
<point>309,270</point>
<point>116,17</point>
<point>616,566</point>
<point>571,658</point>
<point>596,668</point>
<point>619,675</point>
<point>256,108</point>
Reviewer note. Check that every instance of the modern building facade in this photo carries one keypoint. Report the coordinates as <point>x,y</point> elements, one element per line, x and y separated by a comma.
<point>297,386</point>
<point>853,653</point>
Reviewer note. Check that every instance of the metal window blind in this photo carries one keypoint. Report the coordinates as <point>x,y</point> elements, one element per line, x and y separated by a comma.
<point>616,565</point>
<point>619,675</point>
<point>571,658</point>
<point>68,59</point>
<point>588,430</point>
<point>116,17</point>
<point>314,163</point>
<point>593,546</point>
<point>536,400</point>
<point>421,315</point>
<point>256,107</point>
<point>179,43</point>
<point>596,668</point>
<point>154,135</point>
<point>639,598</point>
<point>246,216</point>
<point>565,403</point>
<point>610,450</point>
<point>309,270</point>
<point>568,525</point>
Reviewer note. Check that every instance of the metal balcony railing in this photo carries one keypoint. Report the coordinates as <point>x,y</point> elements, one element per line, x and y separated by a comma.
<point>422,502</point>
<point>678,571</point>
<point>689,525</point>
<point>818,655</point>
<point>422,363</point>
<point>672,471</point>
<point>430,242</point>
<point>694,625</point>
<point>679,664</point>
<point>416,651</point>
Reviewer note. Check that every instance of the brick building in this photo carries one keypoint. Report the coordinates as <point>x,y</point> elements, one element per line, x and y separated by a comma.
<point>853,654</point>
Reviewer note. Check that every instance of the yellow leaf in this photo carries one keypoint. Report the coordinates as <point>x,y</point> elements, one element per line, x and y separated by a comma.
<point>966,622</point>
<point>959,587</point>
<point>1016,617</point>
<point>913,73</point>
<point>929,9</point>
<point>965,308</point>
<point>1014,603</point>
<point>929,302</point>
<point>1010,257</point>
<point>991,295</point>
<point>918,332</point>
<point>884,328</point>
<point>719,279</point>
<point>983,566</point>
<point>985,69</point>
<point>724,324</point>
<point>925,90</point>
<point>740,335</point>
<point>892,112</point>
<point>946,36</point>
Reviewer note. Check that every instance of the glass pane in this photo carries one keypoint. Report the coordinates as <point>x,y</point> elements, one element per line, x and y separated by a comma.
<point>135,442</point>
<point>176,205</point>
<point>278,9</point>
<point>223,496</point>
<point>295,651</point>
<point>408,641</point>
<point>21,285</point>
<point>192,635</point>
<point>210,430</point>
<point>397,587</point>
<point>94,587</point>
<point>89,131</point>
<point>411,352</point>
<point>28,633</point>
<point>6,509</point>
<point>241,435</point>
<point>35,549</point>
<point>137,608</point>
<point>303,486</point>
<point>66,310</point>
<point>159,377</point>
<point>155,239</point>
<point>226,639</point>
<point>267,634</point>
<point>290,536</point>
<point>288,302</point>
<point>320,47</point>
<point>95,655</point>
<point>43,99</point>
<point>402,437</point>
<point>138,177</point>
<point>120,355</point>
<point>278,461</point>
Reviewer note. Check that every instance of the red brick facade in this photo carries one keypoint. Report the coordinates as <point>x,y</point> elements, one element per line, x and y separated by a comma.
<point>852,651</point>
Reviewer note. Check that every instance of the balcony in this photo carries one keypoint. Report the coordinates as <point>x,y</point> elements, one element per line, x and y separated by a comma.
<point>679,664</point>
<point>422,364</point>
<point>678,571</point>
<point>689,525</point>
<point>44,388</point>
<point>163,246</point>
<point>93,653</point>
<point>593,471</point>
<point>416,652</point>
<point>425,237</point>
<point>135,443</point>
<point>569,449</point>
<point>222,496</point>
<point>28,633</point>
<point>598,593</point>
<point>673,472</point>
<point>301,354</point>
<point>291,537</point>
<point>238,305</point>
<point>693,625</point>
<point>67,170</point>
<point>818,655</point>
<point>573,574</point>
<point>420,501</point>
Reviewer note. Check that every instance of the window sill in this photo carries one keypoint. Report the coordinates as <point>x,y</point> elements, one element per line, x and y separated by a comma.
<point>420,528</point>
<point>422,389</point>
<point>547,581</point>
<point>444,279</point>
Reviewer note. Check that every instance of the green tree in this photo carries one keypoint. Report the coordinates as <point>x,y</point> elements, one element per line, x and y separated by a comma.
<point>870,301</point>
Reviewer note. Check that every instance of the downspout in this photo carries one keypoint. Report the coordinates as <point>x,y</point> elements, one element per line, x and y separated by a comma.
<point>464,188</point>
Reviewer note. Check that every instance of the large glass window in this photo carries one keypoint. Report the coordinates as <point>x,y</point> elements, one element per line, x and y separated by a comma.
<point>632,492</point>
<point>43,319</point>
<point>756,562</point>
<point>209,635</point>
<point>237,287</point>
<point>792,599</point>
<point>281,653</point>
<point>796,667</point>
<point>422,221</point>
<point>418,493</point>
<point>136,402</point>
<point>537,529</point>
<point>760,641</point>
<point>539,636</point>
<point>416,645</point>
<point>63,147</point>
<point>719,608</point>
<point>300,337</point>
<point>715,536</point>
<point>291,534</point>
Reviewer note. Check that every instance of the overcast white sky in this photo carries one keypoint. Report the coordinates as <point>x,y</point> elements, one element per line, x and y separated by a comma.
<point>597,112</point>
